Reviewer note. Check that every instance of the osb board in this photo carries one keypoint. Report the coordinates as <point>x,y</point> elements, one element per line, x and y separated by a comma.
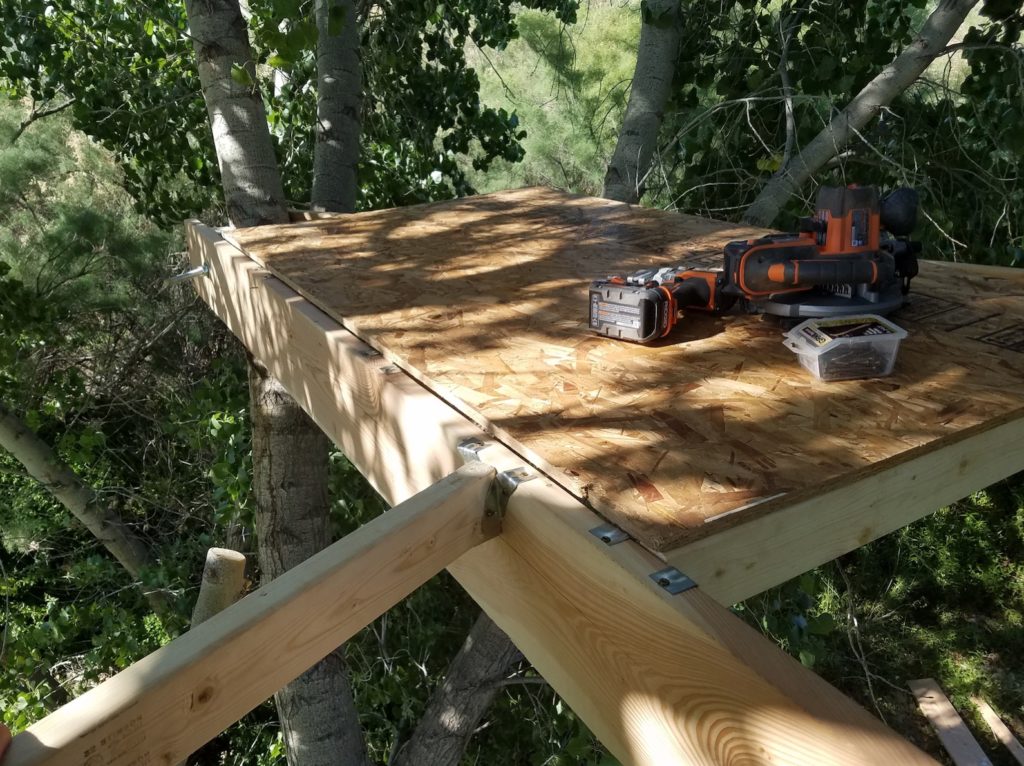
<point>484,300</point>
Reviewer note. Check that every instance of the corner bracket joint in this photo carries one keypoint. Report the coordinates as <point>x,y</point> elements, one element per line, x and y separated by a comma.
<point>502,487</point>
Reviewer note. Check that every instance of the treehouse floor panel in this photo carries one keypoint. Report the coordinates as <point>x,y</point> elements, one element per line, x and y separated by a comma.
<point>484,301</point>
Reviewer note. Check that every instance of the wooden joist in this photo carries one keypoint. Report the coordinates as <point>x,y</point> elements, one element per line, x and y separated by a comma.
<point>660,678</point>
<point>175,700</point>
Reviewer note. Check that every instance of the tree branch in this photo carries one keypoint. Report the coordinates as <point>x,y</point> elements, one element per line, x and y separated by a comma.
<point>786,29</point>
<point>43,465</point>
<point>625,179</point>
<point>338,106</point>
<point>890,83</point>
<point>38,114</point>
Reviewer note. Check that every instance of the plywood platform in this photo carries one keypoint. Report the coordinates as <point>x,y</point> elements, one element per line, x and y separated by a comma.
<point>484,301</point>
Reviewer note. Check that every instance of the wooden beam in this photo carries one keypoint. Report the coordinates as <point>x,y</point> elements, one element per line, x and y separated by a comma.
<point>175,700</point>
<point>660,678</point>
<point>961,745</point>
<point>403,437</point>
<point>744,560</point>
<point>1000,730</point>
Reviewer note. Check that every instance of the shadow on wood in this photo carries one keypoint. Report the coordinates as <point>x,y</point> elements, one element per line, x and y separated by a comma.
<point>170,703</point>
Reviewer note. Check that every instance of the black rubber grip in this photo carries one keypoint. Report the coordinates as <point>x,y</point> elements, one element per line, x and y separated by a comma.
<point>820,271</point>
<point>691,292</point>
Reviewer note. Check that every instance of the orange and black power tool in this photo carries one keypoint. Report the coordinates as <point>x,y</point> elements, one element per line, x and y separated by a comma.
<point>851,257</point>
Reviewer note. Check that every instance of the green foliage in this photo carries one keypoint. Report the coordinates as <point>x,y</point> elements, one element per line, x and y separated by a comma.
<point>97,357</point>
<point>136,90</point>
<point>568,85</point>
<point>942,598</point>
<point>134,85</point>
<point>423,111</point>
<point>953,135</point>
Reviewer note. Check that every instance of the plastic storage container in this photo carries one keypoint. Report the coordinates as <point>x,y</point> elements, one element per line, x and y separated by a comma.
<point>843,348</point>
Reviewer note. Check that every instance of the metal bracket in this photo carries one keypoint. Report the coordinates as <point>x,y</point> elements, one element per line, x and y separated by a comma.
<point>504,484</point>
<point>609,534</point>
<point>469,449</point>
<point>201,270</point>
<point>672,580</point>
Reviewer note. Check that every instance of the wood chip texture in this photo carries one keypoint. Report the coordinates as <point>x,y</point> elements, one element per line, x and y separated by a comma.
<point>484,300</point>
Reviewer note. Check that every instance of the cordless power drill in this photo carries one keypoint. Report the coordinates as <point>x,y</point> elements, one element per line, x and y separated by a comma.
<point>839,263</point>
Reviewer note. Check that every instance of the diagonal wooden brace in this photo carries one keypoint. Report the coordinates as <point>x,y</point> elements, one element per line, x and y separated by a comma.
<point>183,695</point>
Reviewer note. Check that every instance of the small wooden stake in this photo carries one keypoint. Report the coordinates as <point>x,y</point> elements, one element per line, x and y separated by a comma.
<point>181,696</point>
<point>223,578</point>
<point>999,729</point>
<point>961,745</point>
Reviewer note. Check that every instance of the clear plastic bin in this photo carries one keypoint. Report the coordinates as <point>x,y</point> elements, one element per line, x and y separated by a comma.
<point>844,348</point>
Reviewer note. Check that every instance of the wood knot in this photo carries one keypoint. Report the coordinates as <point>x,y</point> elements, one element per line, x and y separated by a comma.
<point>203,696</point>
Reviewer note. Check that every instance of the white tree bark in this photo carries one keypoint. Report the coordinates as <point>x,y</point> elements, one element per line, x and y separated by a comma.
<point>460,702</point>
<point>626,177</point>
<point>935,34</point>
<point>84,502</point>
<point>290,467</point>
<point>245,153</point>
<point>339,103</point>
<point>317,712</point>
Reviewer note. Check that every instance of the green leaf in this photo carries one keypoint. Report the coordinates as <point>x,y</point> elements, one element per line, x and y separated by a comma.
<point>149,27</point>
<point>277,61</point>
<point>808,580</point>
<point>807,658</point>
<point>821,625</point>
<point>240,75</point>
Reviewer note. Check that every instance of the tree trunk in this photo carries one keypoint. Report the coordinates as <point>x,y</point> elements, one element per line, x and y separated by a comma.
<point>626,177</point>
<point>460,702</point>
<point>935,34</point>
<point>245,154</point>
<point>339,101</point>
<point>317,713</point>
<point>85,504</point>
<point>290,467</point>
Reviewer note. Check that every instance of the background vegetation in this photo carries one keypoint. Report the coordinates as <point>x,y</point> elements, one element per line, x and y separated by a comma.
<point>143,393</point>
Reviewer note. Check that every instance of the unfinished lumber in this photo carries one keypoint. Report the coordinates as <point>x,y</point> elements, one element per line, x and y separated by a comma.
<point>770,549</point>
<point>173,701</point>
<point>221,584</point>
<point>403,437</point>
<point>483,299</point>
<point>1000,730</point>
<point>961,745</point>
<point>660,678</point>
